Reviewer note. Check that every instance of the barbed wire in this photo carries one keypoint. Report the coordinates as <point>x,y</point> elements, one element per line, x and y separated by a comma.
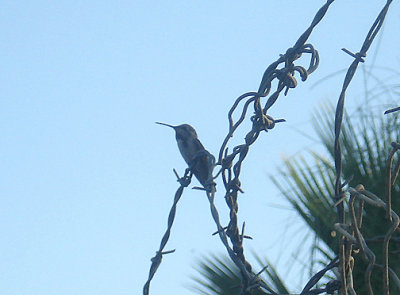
<point>261,121</point>
<point>344,246</point>
<point>351,239</point>
<point>249,279</point>
<point>352,232</point>
<point>156,260</point>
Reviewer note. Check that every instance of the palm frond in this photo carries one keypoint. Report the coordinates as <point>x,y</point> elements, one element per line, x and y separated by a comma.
<point>219,276</point>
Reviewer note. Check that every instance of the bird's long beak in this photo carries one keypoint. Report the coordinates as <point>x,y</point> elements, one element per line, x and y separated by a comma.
<point>166,125</point>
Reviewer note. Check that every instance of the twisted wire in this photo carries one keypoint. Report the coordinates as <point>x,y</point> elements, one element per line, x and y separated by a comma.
<point>283,72</point>
<point>261,121</point>
<point>358,57</point>
<point>157,259</point>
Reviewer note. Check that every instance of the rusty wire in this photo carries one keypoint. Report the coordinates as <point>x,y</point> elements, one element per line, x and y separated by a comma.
<point>344,253</point>
<point>156,260</point>
<point>250,280</point>
<point>350,234</point>
<point>373,200</point>
<point>261,121</point>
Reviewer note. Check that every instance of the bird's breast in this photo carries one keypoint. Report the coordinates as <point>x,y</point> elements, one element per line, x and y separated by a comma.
<point>188,149</point>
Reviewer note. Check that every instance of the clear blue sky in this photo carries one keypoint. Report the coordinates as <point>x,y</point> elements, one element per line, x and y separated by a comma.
<point>86,176</point>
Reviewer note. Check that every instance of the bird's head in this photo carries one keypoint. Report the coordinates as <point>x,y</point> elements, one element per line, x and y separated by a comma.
<point>182,132</point>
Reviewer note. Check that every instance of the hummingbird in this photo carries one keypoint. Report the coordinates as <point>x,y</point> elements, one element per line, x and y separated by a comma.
<point>200,161</point>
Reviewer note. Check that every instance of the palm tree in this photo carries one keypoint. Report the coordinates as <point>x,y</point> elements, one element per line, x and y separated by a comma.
<point>366,143</point>
<point>309,187</point>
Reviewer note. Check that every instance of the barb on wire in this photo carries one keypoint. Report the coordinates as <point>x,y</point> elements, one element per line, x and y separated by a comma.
<point>156,260</point>
<point>358,57</point>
